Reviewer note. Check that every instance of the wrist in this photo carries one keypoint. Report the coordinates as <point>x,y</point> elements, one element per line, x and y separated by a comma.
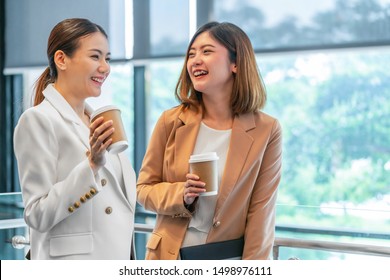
<point>94,167</point>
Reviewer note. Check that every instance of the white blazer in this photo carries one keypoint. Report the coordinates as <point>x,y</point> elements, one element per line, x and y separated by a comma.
<point>72,214</point>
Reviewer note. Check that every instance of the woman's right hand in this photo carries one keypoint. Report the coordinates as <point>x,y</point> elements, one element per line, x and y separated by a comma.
<point>192,188</point>
<point>99,140</point>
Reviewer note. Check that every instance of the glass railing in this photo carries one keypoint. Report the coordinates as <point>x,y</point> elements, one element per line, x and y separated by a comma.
<point>308,241</point>
<point>11,225</point>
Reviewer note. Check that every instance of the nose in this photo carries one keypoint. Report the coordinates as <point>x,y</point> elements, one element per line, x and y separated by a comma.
<point>104,67</point>
<point>195,61</point>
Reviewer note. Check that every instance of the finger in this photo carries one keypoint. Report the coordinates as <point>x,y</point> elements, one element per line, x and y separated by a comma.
<point>192,183</point>
<point>105,136</point>
<point>190,176</point>
<point>99,147</point>
<point>195,190</point>
<point>190,198</point>
<point>102,138</point>
<point>189,201</point>
<point>97,152</point>
<point>104,146</point>
<point>100,129</point>
<point>95,124</point>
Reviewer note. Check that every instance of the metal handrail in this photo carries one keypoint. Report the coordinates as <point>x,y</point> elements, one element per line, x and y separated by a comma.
<point>19,241</point>
<point>353,248</point>
<point>332,231</point>
<point>143,228</point>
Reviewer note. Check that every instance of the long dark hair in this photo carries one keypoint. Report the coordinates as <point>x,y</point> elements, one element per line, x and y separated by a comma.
<point>64,36</point>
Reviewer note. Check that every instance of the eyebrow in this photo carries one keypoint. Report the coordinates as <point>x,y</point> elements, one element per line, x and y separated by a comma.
<point>204,46</point>
<point>99,51</point>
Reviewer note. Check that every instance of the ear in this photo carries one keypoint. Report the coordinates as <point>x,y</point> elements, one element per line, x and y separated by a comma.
<point>234,68</point>
<point>60,60</point>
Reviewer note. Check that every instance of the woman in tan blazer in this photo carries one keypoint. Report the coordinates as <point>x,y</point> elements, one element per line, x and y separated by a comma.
<point>221,94</point>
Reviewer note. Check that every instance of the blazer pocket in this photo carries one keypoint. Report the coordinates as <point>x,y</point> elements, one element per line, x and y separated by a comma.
<point>154,241</point>
<point>75,244</point>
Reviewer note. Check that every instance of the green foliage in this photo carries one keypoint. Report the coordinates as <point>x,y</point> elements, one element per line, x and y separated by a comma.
<point>336,127</point>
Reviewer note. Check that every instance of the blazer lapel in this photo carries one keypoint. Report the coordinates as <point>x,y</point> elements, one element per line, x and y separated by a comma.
<point>82,133</point>
<point>239,148</point>
<point>81,130</point>
<point>185,140</point>
<point>67,112</point>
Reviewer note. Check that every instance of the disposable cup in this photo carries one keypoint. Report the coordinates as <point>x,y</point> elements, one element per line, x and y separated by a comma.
<point>119,139</point>
<point>206,167</point>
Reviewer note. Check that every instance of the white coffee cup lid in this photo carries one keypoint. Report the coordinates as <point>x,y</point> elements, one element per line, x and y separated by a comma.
<point>103,109</point>
<point>203,157</point>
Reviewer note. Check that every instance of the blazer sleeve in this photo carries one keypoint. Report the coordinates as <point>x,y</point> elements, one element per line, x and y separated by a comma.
<point>46,200</point>
<point>260,228</point>
<point>154,191</point>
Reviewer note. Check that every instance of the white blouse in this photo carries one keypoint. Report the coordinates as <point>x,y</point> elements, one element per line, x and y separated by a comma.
<point>202,218</point>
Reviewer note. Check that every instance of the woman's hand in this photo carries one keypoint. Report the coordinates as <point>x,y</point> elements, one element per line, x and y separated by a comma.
<point>192,188</point>
<point>99,140</point>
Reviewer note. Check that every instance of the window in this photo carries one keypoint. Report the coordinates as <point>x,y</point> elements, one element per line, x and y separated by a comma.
<point>282,24</point>
<point>325,72</point>
<point>169,26</point>
<point>325,67</point>
<point>333,103</point>
<point>162,79</point>
<point>334,108</point>
<point>118,90</point>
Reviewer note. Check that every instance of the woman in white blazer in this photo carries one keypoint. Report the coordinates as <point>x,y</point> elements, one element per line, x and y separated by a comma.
<point>79,200</point>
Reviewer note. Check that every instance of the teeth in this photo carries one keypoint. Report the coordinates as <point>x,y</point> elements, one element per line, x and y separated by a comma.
<point>200,72</point>
<point>97,80</point>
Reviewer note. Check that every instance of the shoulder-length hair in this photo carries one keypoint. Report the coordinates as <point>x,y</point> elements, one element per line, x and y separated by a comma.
<point>249,93</point>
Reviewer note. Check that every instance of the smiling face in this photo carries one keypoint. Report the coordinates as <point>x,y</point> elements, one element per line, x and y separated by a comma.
<point>209,66</point>
<point>84,73</point>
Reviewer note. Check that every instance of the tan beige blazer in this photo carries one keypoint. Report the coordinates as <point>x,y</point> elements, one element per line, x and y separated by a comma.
<point>247,194</point>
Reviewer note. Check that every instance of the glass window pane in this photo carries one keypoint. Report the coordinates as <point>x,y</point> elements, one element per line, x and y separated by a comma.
<point>335,111</point>
<point>289,24</point>
<point>169,26</point>
<point>118,90</point>
<point>334,108</point>
<point>162,79</point>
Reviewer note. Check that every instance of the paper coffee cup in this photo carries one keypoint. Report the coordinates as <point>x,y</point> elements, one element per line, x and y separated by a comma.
<point>119,139</point>
<point>206,167</point>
